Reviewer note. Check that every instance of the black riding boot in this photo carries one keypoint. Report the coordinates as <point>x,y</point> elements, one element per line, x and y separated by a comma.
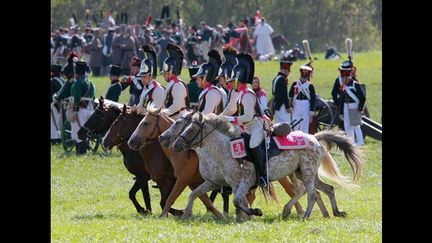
<point>259,157</point>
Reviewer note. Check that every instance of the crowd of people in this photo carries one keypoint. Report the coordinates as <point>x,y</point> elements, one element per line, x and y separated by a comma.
<point>112,43</point>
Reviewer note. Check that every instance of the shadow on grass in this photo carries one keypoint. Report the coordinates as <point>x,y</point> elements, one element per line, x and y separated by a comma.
<point>109,216</point>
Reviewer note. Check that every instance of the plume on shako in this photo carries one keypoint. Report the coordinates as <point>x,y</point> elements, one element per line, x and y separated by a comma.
<point>148,65</point>
<point>245,68</point>
<point>174,62</point>
<point>210,69</point>
<point>229,55</point>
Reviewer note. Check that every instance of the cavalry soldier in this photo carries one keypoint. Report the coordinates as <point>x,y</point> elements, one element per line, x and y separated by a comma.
<point>116,87</point>
<point>153,94</point>
<point>350,100</point>
<point>211,99</point>
<point>302,94</point>
<point>136,87</point>
<point>248,113</point>
<point>177,99</point>
<point>56,111</point>
<point>83,93</point>
<point>280,92</point>
<point>192,86</point>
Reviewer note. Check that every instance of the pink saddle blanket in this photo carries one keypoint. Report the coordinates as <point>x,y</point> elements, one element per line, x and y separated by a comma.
<point>294,140</point>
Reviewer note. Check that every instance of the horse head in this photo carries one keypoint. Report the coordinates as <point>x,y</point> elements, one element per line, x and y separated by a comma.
<point>121,129</point>
<point>147,130</point>
<point>99,121</point>
<point>190,135</point>
<point>168,137</point>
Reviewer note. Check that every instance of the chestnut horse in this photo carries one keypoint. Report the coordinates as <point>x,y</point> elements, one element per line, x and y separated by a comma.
<point>153,160</point>
<point>98,123</point>
<point>185,163</point>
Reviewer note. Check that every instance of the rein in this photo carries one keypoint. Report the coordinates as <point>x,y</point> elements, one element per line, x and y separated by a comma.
<point>149,139</point>
<point>200,133</point>
<point>90,132</point>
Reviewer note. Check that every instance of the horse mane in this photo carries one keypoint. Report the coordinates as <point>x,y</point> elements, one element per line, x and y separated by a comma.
<point>223,126</point>
<point>114,108</point>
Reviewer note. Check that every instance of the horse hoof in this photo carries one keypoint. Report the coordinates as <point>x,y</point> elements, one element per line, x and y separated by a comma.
<point>144,211</point>
<point>340,214</point>
<point>185,217</point>
<point>257,212</point>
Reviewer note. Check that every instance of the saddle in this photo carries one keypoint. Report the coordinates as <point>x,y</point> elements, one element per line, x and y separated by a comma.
<point>278,144</point>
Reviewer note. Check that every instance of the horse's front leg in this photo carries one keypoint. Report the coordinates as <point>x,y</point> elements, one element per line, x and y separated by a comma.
<point>132,195</point>
<point>240,200</point>
<point>203,188</point>
<point>209,205</point>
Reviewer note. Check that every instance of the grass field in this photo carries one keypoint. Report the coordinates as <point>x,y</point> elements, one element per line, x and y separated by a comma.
<point>89,194</point>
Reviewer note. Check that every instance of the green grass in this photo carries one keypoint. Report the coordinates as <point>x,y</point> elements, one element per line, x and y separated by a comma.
<point>89,194</point>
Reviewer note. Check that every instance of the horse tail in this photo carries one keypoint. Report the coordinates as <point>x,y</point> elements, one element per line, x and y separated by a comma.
<point>351,152</point>
<point>270,193</point>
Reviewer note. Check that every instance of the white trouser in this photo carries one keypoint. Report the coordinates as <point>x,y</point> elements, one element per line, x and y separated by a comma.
<point>351,130</point>
<point>282,115</point>
<point>255,129</point>
<point>301,110</point>
<point>56,119</point>
<point>83,115</point>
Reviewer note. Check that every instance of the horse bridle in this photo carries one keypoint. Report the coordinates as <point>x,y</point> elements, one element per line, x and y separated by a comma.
<point>200,133</point>
<point>149,139</point>
<point>122,139</point>
<point>89,132</point>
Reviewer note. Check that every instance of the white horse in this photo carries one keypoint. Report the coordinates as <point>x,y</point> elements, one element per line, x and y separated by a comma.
<point>214,134</point>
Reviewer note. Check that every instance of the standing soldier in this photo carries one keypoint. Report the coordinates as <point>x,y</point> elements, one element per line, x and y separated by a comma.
<point>261,94</point>
<point>83,93</point>
<point>56,112</point>
<point>211,98</point>
<point>153,94</point>
<point>302,94</point>
<point>116,87</point>
<point>136,87</point>
<point>248,113</point>
<point>177,99</point>
<point>192,86</point>
<point>68,74</point>
<point>351,100</point>
<point>280,92</point>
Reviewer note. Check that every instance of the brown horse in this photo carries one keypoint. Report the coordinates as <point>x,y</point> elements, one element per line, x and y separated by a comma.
<point>185,163</point>
<point>156,163</point>
<point>98,123</point>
